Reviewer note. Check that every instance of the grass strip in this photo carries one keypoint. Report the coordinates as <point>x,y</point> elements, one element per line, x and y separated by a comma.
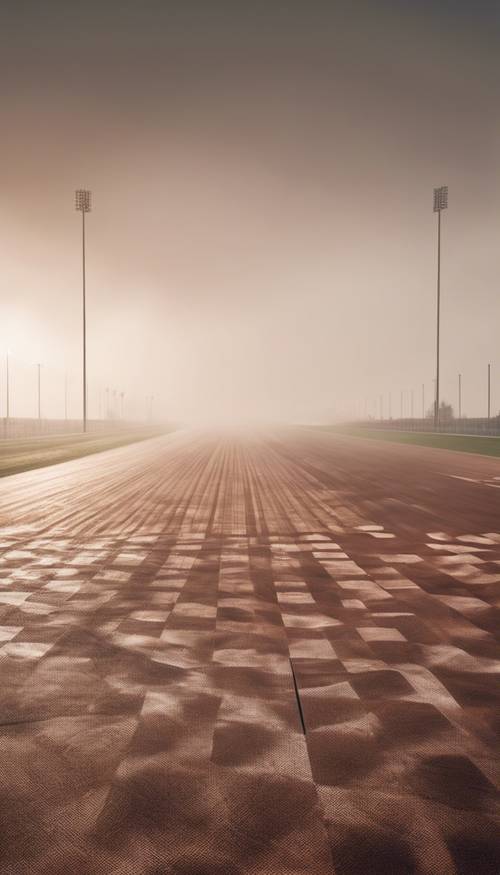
<point>462,443</point>
<point>26,454</point>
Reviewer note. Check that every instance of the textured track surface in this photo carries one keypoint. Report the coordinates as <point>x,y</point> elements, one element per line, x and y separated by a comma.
<point>271,656</point>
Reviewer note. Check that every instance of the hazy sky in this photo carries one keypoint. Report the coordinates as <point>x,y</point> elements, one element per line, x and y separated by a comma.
<point>262,242</point>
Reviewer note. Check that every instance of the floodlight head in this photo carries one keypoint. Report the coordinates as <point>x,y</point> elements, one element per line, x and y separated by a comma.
<point>83,200</point>
<point>440,198</point>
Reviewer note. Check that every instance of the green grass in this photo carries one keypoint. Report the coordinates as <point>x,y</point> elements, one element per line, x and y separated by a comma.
<point>485,446</point>
<point>24,454</point>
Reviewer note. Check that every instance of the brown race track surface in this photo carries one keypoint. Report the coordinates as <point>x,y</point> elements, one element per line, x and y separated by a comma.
<point>262,656</point>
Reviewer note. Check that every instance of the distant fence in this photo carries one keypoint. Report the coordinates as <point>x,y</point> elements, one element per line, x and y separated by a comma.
<point>15,427</point>
<point>474,426</point>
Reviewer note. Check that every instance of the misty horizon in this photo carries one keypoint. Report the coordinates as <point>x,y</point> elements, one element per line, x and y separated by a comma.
<point>262,244</point>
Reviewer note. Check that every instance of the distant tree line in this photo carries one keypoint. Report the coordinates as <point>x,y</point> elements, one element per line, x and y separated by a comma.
<point>447,413</point>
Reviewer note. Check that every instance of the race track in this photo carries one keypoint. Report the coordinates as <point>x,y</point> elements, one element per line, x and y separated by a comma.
<point>263,655</point>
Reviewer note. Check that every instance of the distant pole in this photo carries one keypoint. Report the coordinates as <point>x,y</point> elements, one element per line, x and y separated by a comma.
<point>460,396</point>
<point>436,412</point>
<point>401,404</point>
<point>7,389</point>
<point>381,401</point>
<point>423,400</point>
<point>83,205</point>
<point>390,406</point>
<point>39,393</point>
<point>440,204</point>
<point>489,390</point>
<point>411,403</point>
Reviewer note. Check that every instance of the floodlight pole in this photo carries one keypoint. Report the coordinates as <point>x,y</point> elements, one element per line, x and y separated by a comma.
<point>436,413</point>
<point>460,396</point>
<point>440,203</point>
<point>83,205</point>
<point>39,393</point>
<point>489,390</point>
<point>84,323</point>
<point>7,389</point>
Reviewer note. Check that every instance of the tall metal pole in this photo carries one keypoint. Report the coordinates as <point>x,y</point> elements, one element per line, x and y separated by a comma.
<point>84,328</point>
<point>460,396</point>
<point>489,390</point>
<point>423,400</point>
<point>39,395</point>
<point>7,389</point>
<point>440,203</point>
<point>436,412</point>
<point>83,199</point>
